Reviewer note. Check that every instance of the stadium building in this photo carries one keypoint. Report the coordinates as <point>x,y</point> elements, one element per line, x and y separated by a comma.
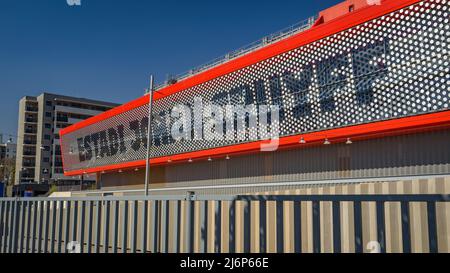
<point>363,98</point>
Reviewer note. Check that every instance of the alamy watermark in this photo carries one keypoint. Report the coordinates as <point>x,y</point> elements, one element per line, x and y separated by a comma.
<point>212,122</point>
<point>73,2</point>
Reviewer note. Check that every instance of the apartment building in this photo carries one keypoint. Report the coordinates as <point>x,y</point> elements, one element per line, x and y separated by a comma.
<point>40,120</point>
<point>7,150</point>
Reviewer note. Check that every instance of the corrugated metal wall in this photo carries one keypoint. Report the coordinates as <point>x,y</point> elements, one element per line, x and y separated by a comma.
<point>407,155</point>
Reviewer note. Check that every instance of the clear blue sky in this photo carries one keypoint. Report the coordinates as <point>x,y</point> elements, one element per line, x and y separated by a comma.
<point>106,49</point>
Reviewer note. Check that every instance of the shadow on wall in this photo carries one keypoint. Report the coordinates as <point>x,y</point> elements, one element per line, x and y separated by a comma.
<point>399,155</point>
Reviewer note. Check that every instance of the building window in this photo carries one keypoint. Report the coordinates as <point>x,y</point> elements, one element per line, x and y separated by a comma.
<point>48,126</point>
<point>46,159</point>
<point>48,103</point>
<point>48,114</point>
<point>47,137</point>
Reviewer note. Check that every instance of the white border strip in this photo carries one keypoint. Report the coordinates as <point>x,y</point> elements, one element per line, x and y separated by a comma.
<point>274,184</point>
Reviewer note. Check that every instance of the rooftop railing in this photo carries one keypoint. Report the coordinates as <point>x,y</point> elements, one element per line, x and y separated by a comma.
<point>270,39</point>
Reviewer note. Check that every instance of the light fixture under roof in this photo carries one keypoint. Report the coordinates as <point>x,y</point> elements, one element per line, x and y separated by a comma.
<point>209,159</point>
<point>169,160</point>
<point>302,141</point>
<point>349,141</point>
<point>136,170</point>
<point>326,142</point>
<point>227,157</point>
<point>190,160</point>
<point>120,171</point>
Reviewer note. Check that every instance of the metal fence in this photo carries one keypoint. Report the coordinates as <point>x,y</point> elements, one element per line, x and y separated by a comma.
<point>219,224</point>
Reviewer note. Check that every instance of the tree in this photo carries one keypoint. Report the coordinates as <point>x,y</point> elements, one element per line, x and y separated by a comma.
<point>7,170</point>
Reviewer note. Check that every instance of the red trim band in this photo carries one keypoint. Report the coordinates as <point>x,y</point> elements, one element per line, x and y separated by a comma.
<point>358,132</point>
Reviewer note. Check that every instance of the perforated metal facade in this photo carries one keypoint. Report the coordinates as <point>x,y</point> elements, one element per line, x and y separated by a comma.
<point>391,67</point>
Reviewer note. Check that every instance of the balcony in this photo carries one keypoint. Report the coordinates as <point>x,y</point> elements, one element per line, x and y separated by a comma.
<point>62,119</point>
<point>31,109</point>
<point>29,142</point>
<point>79,111</point>
<point>29,153</point>
<point>31,120</point>
<point>29,164</point>
<point>31,131</point>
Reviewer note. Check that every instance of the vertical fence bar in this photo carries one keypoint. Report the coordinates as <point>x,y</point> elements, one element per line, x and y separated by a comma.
<point>218,227</point>
<point>60,226</point>
<point>82,224</point>
<point>106,227</point>
<point>297,227</point>
<point>167,223</point>
<point>336,227</point>
<point>163,234</point>
<point>381,233</point>
<point>358,226</point>
<point>98,226</point>
<point>1,225</point>
<point>232,227</point>
<point>46,226</point>
<point>53,227</point>
<point>133,227</point>
<point>280,227</point>
<point>22,226</point>
<point>11,221</point>
<point>125,227</point>
<point>176,226</point>
<point>189,230</point>
<point>262,226</point>
<point>432,230</point>
<point>4,226</point>
<point>144,226</point>
<point>6,229</point>
<point>74,222</point>
<point>154,221</point>
<point>115,226</point>
<point>67,229</point>
<point>406,231</point>
<point>247,226</point>
<point>203,226</point>
<point>89,226</point>
<point>14,232</point>
<point>28,229</point>
<point>40,224</point>
<point>316,226</point>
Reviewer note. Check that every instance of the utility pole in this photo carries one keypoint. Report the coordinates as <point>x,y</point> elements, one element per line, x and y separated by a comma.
<point>149,135</point>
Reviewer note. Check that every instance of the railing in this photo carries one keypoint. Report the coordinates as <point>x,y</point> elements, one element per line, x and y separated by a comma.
<point>222,224</point>
<point>270,39</point>
<point>32,109</point>
<point>28,131</point>
<point>29,142</point>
